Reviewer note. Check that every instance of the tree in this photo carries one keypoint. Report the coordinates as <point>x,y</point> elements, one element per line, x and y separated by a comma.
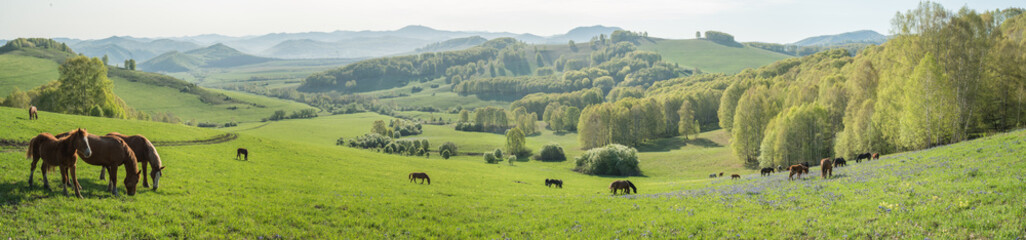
<point>105,59</point>
<point>82,84</point>
<point>379,128</point>
<point>573,47</point>
<point>449,148</point>
<point>698,34</point>
<point>688,125</point>
<point>613,159</point>
<point>464,116</point>
<point>516,144</point>
<point>18,99</point>
<point>931,107</point>
<point>552,152</point>
<point>754,111</point>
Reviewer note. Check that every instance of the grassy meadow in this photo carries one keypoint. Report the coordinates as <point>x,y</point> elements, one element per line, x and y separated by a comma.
<point>24,72</point>
<point>712,57</point>
<point>297,184</point>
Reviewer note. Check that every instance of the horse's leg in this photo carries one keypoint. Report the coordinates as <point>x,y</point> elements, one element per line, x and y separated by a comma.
<point>46,182</point>
<point>64,179</point>
<point>33,171</point>
<point>113,180</point>
<point>103,171</point>
<point>144,176</point>
<point>74,180</point>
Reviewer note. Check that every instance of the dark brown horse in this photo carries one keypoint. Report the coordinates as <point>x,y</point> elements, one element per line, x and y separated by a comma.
<point>59,152</point>
<point>421,176</point>
<point>827,168</point>
<point>767,171</point>
<point>797,169</point>
<point>110,153</point>
<point>147,154</point>
<point>624,185</point>
<point>721,174</point>
<point>32,113</point>
<point>553,182</point>
<point>242,152</point>
<point>876,156</point>
<point>840,162</point>
<point>735,176</point>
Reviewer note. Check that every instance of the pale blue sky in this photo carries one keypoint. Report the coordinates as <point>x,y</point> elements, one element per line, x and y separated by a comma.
<point>781,21</point>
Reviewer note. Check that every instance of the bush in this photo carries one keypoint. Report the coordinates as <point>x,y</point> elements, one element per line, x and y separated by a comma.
<point>613,159</point>
<point>445,154</point>
<point>552,153</point>
<point>340,142</point>
<point>370,140</point>
<point>416,89</point>
<point>498,153</point>
<point>490,158</point>
<point>450,147</point>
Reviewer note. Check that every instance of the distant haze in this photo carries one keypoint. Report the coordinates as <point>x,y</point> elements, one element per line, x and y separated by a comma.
<point>781,21</point>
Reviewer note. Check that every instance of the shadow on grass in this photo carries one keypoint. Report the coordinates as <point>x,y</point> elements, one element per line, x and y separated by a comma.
<point>676,143</point>
<point>15,193</point>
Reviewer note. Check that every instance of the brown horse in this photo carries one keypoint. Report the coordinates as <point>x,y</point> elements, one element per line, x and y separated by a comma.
<point>827,168</point>
<point>421,176</point>
<point>242,152</point>
<point>766,171</point>
<point>876,156</point>
<point>146,153</point>
<point>59,152</point>
<point>110,153</point>
<point>866,156</point>
<point>735,176</point>
<point>624,185</point>
<point>840,162</point>
<point>797,169</point>
<point>32,113</point>
<point>553,182</point>
<point>721,174</point>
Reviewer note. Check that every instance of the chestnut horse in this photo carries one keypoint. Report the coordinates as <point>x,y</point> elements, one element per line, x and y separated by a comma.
<point>876,156</point>
<point>797,169</point>
<point>110,153</point>
<point>59,152</point>
<point>624,185</point>
<point>550,182</point>
<point>827,168</point>
<point>721,174</point>
<point>242,152</point>
<point>32,113</point>
<point>735,176</point>
<point>421,176</point>
<point>146,153</point>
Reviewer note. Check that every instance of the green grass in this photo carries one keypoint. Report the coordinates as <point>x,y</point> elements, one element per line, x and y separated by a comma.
<point>297,189</point>
<point>25,73</point>
<point>712,57</point>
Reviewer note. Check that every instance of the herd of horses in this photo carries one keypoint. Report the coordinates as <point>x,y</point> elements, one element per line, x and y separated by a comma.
<point>618,186</point>
<point>827,166</point>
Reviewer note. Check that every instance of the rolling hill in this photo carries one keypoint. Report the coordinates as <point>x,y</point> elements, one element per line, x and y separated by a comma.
<point>863,36</point>
<point>119,49</point>
<point>452,44</point>
<point>349,48</point>
<point>709,56</point>
<point>214,56</point>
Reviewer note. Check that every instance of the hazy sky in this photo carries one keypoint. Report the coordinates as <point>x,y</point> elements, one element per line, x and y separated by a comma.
<point>781,21</point>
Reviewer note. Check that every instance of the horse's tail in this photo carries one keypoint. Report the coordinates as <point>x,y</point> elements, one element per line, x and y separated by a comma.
<point>31,147</point>
<point>629,183</point>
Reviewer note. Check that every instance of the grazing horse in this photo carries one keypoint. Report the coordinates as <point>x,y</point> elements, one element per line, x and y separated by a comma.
<point>421,176</point>
<point>796,169</point>
<point>712,175</point>
<point>721,174</point>
<point>32,113</point>
<point>735,176</point>
<point>146,153</point>
<point>59,152</point>
<point>876,156</point>
<point>558,183</point>
<point>865,156</point>
<point>840,162</point>
<point>624,185</point>
<point>111,152</point>
<point>827,168</point>
<point>767,171</point>
<point>780,168</point>
<point>242,152</point>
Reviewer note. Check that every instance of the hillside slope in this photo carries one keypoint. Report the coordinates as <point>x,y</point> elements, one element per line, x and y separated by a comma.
<point>214,56</point>
<point>709,56</point>
<point>863,36</point>
<point>327,191</point>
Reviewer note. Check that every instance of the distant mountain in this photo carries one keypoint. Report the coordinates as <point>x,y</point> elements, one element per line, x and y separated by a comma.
<point>581,34</point>
<point>350,48</point>
<point>864,36</point>
<point>119,49</point>
<point>453,44</point>
<point>214,56</point>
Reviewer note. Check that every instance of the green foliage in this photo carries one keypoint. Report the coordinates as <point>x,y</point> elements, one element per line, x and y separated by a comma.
<point>490,158</point>
<point>538,102</point>
<point>516,143</point>
<point>82,85</point>
<point>18,99</point>
<point>45,43</point>
<point>798,134</point>
<point>552,153</point>
<point>629,121</point>
<point>448,149</point>
<point>403,127</point>
<point>687,124</point>
<point>487,119</point>
<point>722,38</point>
<point>613,159</point>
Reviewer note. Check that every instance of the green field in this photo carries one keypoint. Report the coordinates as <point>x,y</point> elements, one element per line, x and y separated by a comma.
<point>300,187</point>
<point>24,72</point>
<point>712,57</point>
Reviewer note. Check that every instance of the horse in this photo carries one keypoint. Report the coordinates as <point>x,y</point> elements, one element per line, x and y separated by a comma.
<point>712,175</point>
<point>624,185</point>
<point>780,168</point>
<point>421,176</point>
<point>558,183</point>
<point>242,152</point>
<point>735,176</point>
<point>110,152</point>
<point>826,167</point>
<point>59,152</point>
<point>840,162</point>
<point>865,156</point>
<point>33,114</point>
<point>767,171</point>
<point>145,152</point>
<point>797,169</point>
<point>876,156</point>
<point>721,174</point>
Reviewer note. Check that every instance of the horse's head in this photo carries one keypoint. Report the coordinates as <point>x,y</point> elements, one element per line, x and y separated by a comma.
<point>130,181</point>
<point>80,143</point>
<point>155,175</point>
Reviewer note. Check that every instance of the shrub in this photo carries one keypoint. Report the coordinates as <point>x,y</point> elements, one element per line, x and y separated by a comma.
<point>613,159</point>
<point>498,153</point>
<point>370,140</point>
<point>450,147</point>
<point>445,154</point>
<point>552,153</point>
<point>490,158</point>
